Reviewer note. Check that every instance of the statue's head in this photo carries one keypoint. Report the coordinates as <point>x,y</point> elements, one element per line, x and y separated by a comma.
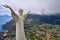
<point>21,11</point>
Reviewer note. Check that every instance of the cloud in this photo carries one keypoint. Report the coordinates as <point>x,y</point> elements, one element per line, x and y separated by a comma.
<point>33,5</point>
<point>46,12</point>
<point>4,11</point>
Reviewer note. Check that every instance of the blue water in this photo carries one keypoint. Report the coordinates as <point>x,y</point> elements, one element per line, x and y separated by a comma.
<point>3,20</point>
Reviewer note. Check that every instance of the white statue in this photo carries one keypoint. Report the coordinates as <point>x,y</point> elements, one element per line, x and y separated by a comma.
<point>20,34</point>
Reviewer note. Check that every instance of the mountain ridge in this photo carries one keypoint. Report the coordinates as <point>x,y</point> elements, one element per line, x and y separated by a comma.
<point>35,20</point>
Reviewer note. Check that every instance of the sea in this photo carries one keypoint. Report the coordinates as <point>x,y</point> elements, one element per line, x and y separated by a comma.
<point>3,20</point>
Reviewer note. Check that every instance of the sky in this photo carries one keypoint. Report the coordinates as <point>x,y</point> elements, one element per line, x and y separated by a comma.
<point>36,6</point>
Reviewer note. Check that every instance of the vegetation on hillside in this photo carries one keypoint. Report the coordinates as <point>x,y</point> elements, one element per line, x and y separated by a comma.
<point>35,30</point>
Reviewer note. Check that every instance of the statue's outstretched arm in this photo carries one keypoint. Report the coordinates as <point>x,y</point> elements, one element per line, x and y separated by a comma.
<point>26,14</point>
<point>14,15</point>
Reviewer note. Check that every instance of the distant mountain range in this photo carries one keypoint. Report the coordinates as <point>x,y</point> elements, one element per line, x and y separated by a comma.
<point>35,19</point>
<point>51,19</point>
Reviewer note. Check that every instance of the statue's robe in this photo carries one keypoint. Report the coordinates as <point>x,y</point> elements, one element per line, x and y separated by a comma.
<point>20,34</point>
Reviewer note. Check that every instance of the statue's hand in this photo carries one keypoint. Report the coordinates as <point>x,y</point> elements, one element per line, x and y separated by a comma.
<point>6,6</point>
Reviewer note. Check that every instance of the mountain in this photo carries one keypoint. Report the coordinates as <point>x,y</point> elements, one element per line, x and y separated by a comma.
<point>3,20</point>
<point>2,30</point>
<point>34,19</point>
<point>51,19</point>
